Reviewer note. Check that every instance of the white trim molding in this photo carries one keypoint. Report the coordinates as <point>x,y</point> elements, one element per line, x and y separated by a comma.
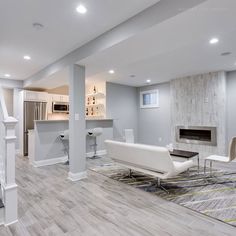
<point>13,222</point>
<point>63,159</point>
<point>49,162</point>
<point>99,153</point>
<point>77,176</point>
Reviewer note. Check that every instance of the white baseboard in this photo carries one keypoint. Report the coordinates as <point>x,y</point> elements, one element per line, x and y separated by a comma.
<point>99,153</point>
<point>11,223</point>
<point>17,151</point>
<point>78,176</point>
<point>63,159</point>
<point>49,162</point>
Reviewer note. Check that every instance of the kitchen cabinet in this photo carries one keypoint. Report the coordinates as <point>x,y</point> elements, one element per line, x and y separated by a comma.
<point>55,98</point>
<point>59,98</point>
<point>35,96</point>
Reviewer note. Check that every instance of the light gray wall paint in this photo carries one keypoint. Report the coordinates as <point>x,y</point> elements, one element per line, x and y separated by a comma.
<point>200,100</point>
<point>231,105</point>
<point>48,144</point>
<point>8,95</point>
<point>154,123</point>
<point>18,113</point>
<point>77,124</point>
<point>107,126</point>
<point>12,103</point>
<point>121,105</point>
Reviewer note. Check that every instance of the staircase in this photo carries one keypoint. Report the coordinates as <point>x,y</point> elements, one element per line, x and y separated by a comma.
<point>8,187</point>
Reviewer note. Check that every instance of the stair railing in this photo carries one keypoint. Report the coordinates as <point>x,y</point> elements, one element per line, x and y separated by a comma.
<point>7,163</point>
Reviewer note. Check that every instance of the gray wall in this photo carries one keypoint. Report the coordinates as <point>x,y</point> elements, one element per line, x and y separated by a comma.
<point>200,100</point>
<point>8,95</point>
<point>47,142</point>
<point>107,126</point>
<point>122,106</point>
<point>154,123</point>
<point>231,104</point>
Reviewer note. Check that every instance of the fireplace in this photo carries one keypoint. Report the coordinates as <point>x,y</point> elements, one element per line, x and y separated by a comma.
<point>200,135</point>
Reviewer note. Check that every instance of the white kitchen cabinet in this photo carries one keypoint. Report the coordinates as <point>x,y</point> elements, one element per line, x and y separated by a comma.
<point>55,98</point>
<point>59,98</point>
<point>49,104</point>
<point>35,96</point>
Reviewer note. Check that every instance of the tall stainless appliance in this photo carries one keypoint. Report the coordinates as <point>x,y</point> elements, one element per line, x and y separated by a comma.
<point>32,111</point>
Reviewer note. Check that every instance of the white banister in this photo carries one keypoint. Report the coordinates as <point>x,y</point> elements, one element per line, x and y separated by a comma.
<point>7,163</point>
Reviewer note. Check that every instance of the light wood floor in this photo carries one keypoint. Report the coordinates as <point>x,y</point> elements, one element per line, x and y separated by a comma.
<point>49,204</point>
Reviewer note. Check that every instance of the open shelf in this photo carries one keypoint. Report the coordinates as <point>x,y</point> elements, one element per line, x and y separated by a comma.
<point>96,95</point>
<point>95,105</point>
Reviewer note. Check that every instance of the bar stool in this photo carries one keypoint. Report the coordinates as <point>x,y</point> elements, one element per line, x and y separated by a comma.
<point>64,136</point>
<point>94,133</point>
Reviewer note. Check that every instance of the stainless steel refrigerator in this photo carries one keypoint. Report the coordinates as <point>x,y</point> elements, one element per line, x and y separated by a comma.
<point>32,111</point>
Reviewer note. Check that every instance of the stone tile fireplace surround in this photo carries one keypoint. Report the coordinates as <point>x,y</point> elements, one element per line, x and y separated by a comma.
<point>200,101</point>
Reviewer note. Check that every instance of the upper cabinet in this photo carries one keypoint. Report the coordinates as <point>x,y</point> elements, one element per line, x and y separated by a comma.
<point>59,98</point>
<point>35,96</point>
<point>55,98</point>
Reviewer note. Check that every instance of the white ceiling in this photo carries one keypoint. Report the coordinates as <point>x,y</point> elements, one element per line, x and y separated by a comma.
<point>174,48</point>
<point>64,29</point>
<point>177,47</point>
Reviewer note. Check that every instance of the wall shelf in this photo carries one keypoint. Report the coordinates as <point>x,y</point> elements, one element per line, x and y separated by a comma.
<point>96,95</point>
<point>94,105</point>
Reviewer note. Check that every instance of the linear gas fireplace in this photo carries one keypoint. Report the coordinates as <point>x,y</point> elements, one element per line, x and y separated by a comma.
<point>200,135</point>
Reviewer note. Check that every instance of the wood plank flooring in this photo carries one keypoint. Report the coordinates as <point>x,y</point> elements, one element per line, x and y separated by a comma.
<point>49,204</point>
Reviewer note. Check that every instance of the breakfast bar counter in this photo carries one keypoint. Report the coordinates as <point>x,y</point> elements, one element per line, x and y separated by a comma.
<point>47,147</point>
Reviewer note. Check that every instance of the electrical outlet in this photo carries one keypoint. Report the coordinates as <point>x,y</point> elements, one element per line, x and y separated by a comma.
<point>160,139</point>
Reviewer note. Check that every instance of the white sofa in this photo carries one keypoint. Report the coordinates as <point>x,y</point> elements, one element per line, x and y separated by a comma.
<point>151,160</point>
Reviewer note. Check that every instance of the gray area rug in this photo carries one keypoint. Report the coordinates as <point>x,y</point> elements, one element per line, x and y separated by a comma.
<point>213,195</point>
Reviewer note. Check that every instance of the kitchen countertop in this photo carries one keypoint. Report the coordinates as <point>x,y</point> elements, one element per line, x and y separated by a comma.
<point>46,121</point>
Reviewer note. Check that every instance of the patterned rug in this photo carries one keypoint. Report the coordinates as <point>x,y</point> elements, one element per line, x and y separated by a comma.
<point>213,195</point>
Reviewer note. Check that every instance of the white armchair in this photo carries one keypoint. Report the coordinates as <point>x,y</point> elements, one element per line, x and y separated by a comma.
<point>231,157</point>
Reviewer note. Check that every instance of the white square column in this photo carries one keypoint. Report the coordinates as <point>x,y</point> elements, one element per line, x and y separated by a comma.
<point>77,125</point>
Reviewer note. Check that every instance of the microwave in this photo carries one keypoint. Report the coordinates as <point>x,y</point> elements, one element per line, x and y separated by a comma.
<point>60,107</point>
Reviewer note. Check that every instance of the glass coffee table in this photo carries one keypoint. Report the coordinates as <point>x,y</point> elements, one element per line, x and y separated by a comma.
<point>186,155</point>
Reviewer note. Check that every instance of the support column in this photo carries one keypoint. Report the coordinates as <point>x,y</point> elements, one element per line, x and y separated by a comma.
<point>77,125</point>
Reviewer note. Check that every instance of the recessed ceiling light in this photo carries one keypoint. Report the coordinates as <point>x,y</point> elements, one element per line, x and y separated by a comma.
<point>214,41</point>
<point>27,57</point>
<point>111,71</point>
<point>226,53</point>
<point>38,26</point>
<point>148,81</point>
<point>81,9</point>
<point>7,75</point>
